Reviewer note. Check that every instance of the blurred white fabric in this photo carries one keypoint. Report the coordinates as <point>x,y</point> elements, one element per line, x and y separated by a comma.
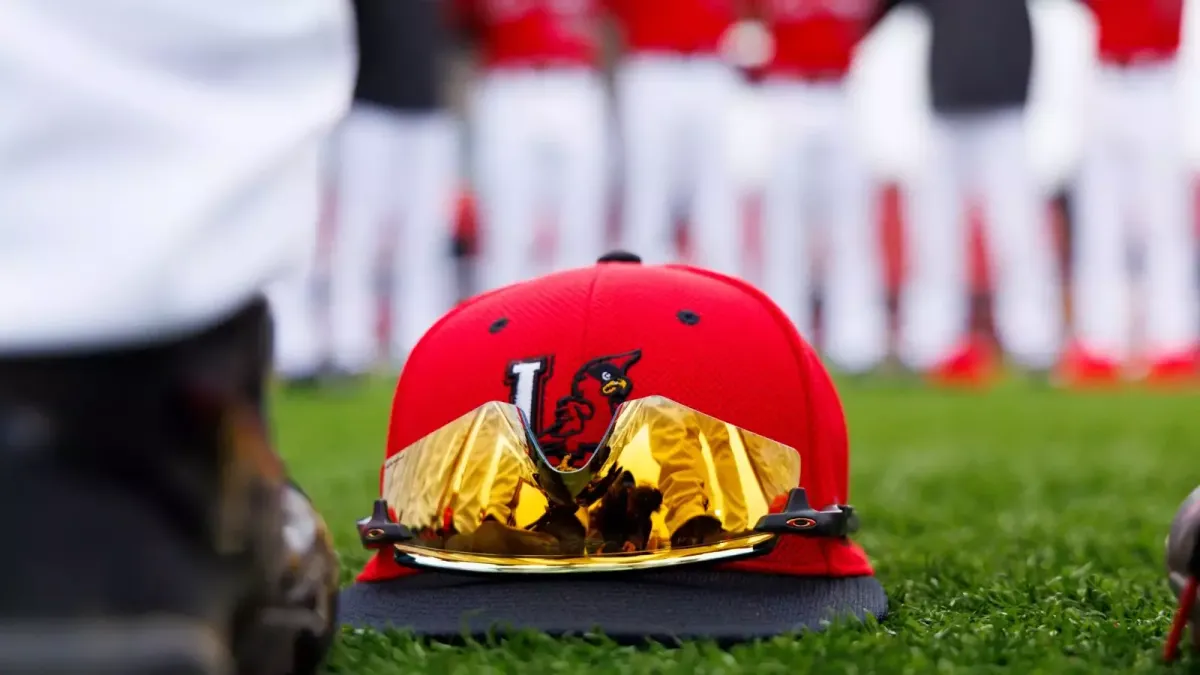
<point>158,159</point>
<point>1134,194</point>
<point>674,123</point>
<point>539,153</point>
<point>750,138</point>
<point>1063,82</point>
<point>820,224</point>
<point>396,176</point>
<point>1189,78</point>
<point>889,94</point>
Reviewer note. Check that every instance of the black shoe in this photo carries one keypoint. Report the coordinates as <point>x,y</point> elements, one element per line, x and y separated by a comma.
<point>324,379</point>
<point>302,382</point>
<point>343,379</point>
<point>149,525</point>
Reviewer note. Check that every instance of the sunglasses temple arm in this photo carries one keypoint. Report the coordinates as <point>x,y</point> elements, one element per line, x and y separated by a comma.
<point>798,517</point>
<point>380,531</point>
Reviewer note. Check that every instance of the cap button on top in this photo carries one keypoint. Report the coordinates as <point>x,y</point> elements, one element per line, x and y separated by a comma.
<point>619,257</point>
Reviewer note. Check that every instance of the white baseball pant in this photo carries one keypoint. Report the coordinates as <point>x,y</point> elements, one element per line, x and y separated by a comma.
<point>983,155</point>
<point>300,345</point>
<point>540,155</point>
<point>673,115</point>
<point>815,162</point>
<point>392,169</point>
<point>1133,171</point>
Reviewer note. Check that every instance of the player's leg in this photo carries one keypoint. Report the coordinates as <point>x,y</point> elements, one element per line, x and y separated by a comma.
<point>299,349</point>
<point>786,256</point>
<point>684,478</point>
<point>143,485</point>
<point>647,91</point>
<point>1162,197</point>
<point>1028,281</point>
<point>298,356</point>
<point>368,143</point>
<point>505,173</point>
<point>855,305</point>
<point>1100,303</point>
<point>582,197</point>
<point>422,268</point>
<point>715,197</point>
<point>933,297</point>
<point>734,513</point>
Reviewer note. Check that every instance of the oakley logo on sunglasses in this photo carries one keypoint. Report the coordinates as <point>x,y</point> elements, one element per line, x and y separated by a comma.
<point>578,419</point>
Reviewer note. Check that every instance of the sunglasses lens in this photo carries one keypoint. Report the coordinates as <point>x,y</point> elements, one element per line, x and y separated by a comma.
<point>668,485</point>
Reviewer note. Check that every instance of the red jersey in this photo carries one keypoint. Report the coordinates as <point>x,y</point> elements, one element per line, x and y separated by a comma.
<point>674,26</point>
<point>532,33</point>
<point>1138,30</point>
<point>815,38</point>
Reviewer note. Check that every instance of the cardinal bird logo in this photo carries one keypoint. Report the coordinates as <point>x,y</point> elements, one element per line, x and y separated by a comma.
<point>579,419</point>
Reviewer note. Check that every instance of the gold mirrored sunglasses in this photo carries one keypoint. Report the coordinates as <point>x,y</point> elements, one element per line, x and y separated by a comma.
<point>667,485</point>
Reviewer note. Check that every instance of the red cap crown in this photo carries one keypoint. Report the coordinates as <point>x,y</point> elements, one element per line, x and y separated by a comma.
<point>568,348</point>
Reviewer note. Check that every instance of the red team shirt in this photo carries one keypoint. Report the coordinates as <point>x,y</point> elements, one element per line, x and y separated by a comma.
<point>815,39</point>
<point>532,33</point>
<point>674,26</point>
<point>1138,30</point>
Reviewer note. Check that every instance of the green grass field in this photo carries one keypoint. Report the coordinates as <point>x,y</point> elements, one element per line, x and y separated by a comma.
<point>1019,530</point>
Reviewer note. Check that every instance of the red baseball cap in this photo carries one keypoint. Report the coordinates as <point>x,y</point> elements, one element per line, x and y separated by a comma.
<point>705,340</point>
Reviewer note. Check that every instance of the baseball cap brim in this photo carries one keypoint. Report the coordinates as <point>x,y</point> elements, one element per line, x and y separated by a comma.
<point>628,607</point>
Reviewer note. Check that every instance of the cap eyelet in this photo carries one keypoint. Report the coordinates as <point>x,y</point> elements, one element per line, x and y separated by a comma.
<point>498,325</point>
<point>687,317</point>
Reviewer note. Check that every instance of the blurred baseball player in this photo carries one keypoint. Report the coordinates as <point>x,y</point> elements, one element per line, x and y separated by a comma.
<point>816,162</point>
<point>674,95</point>
<point>1134,172</point>
<point>538,113</point>
<point>395,164</point>
<point>158,167</point>
<point>981,64</point>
